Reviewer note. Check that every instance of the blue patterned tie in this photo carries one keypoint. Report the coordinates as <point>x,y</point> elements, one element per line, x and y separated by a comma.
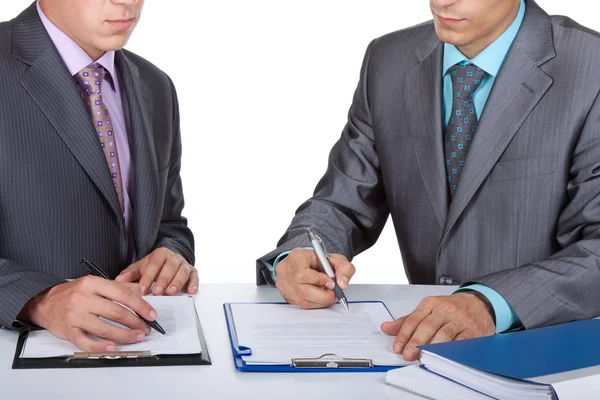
<point>463,119</point>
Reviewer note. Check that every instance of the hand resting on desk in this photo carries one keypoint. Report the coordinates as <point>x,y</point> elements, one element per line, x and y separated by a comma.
<point>71,310</point>
<point>169,272</point>
<point>441,319</point>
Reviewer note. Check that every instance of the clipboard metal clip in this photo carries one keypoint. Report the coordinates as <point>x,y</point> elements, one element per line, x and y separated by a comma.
<point>115,355</point>
<point>332,361</point>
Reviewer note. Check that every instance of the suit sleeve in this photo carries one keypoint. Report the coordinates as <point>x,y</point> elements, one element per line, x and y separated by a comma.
<point>348,209</point>
<point>564,287</point>
<point>18,285</point>
<point>173,232</point>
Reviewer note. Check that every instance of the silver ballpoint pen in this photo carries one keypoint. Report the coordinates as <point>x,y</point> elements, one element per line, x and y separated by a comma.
<point>322,256</point>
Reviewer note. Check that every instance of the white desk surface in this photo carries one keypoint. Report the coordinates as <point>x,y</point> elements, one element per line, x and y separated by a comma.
<point>220,380</point>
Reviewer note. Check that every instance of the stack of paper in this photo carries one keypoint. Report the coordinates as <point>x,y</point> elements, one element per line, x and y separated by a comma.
<point>496,386</point>
<point>417,380</point>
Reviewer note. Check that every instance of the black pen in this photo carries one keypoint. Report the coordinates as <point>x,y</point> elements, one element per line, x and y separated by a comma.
<point>94,270</point>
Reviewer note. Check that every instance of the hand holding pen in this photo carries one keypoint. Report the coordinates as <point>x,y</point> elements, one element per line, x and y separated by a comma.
<point>72,311</point>
<point>301,279</point>
<point>92,269</point>
<point>323,257</point>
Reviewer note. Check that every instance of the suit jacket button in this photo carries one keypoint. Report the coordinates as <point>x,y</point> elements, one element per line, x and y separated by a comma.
<point>445,280</point>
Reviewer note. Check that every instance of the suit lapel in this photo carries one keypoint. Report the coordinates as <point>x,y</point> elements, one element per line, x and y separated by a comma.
<point>53,89</point>
<point>423,89</point>
<point>139,99</point>
<point>518,88</point>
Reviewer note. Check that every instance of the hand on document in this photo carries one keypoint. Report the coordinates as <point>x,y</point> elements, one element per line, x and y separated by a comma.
<point>301,281</point>
<point>168,271</point>
<point>441,319</point>
<point>71,310</point>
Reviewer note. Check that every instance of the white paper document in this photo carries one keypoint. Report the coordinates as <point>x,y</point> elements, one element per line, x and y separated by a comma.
<point>176,314</point>
<point>276,333</point>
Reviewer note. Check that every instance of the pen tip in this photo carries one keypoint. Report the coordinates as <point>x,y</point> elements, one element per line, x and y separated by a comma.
<point>345,304</point>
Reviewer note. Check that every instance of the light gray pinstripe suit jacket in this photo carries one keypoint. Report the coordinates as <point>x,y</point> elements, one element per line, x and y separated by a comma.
<point>525,219</point>
<point>57,201</point>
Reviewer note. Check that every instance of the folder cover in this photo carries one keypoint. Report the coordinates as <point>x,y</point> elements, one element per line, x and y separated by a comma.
<point>528,354</point>
<point>530,364</point>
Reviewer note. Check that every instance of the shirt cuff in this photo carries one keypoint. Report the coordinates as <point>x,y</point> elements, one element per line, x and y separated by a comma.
<point>505,315</point>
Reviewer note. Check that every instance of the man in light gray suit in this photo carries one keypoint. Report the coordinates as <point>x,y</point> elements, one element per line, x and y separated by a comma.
<point>91,152</point>
<point>479,132</point>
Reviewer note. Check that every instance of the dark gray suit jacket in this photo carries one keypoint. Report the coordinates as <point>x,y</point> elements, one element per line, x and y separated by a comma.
<point>525,219</point>
<point>57,201</point>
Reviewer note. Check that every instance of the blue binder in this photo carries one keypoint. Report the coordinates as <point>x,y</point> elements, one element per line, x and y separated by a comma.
<point>528,354</point>
<point>303,365</point>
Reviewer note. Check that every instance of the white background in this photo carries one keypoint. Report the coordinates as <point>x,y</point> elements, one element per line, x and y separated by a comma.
<point>264,89</point>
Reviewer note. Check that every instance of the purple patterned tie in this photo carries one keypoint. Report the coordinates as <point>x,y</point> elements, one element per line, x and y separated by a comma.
<point>90,79</point>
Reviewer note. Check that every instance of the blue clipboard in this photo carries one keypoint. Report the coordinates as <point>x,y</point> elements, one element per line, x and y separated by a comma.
<point>330,362</point>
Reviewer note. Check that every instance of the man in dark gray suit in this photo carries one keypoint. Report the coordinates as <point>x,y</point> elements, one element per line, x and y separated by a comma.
<point>91,152</point>
<point>479,132</point>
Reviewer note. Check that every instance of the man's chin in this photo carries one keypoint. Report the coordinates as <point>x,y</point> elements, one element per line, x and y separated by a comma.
<point>114,43</point>
<point>451,37</point>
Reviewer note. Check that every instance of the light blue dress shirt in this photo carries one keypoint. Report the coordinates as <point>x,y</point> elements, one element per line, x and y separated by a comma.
<point>490,60</point>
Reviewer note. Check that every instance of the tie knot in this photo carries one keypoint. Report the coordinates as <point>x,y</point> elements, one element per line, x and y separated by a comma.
<point>90,79</point>
<point>466,78</point>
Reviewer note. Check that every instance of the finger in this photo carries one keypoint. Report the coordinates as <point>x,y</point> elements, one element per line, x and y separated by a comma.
<point>409,327</point>
<point>466,334</point>
<point>193,282</point>
<point>117,313</point>
<point>422,335</point>
<point>166,275</point>
<point>447,332</point>
<point>311,305</point>
<point>133,287</point>
<point>295,270</point>
<point>181,277</point>
<point>309,296</point>
<point>133,273</point>
<point>153,265</point>
<point>104,330</point>
<point>392,328</point>
<point>83,342</point>
<point>312,277</point>
<point>344,270</point>
<point>116,292</point>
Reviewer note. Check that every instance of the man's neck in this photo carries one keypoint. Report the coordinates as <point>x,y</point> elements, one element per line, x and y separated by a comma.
<point>471,50</point>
